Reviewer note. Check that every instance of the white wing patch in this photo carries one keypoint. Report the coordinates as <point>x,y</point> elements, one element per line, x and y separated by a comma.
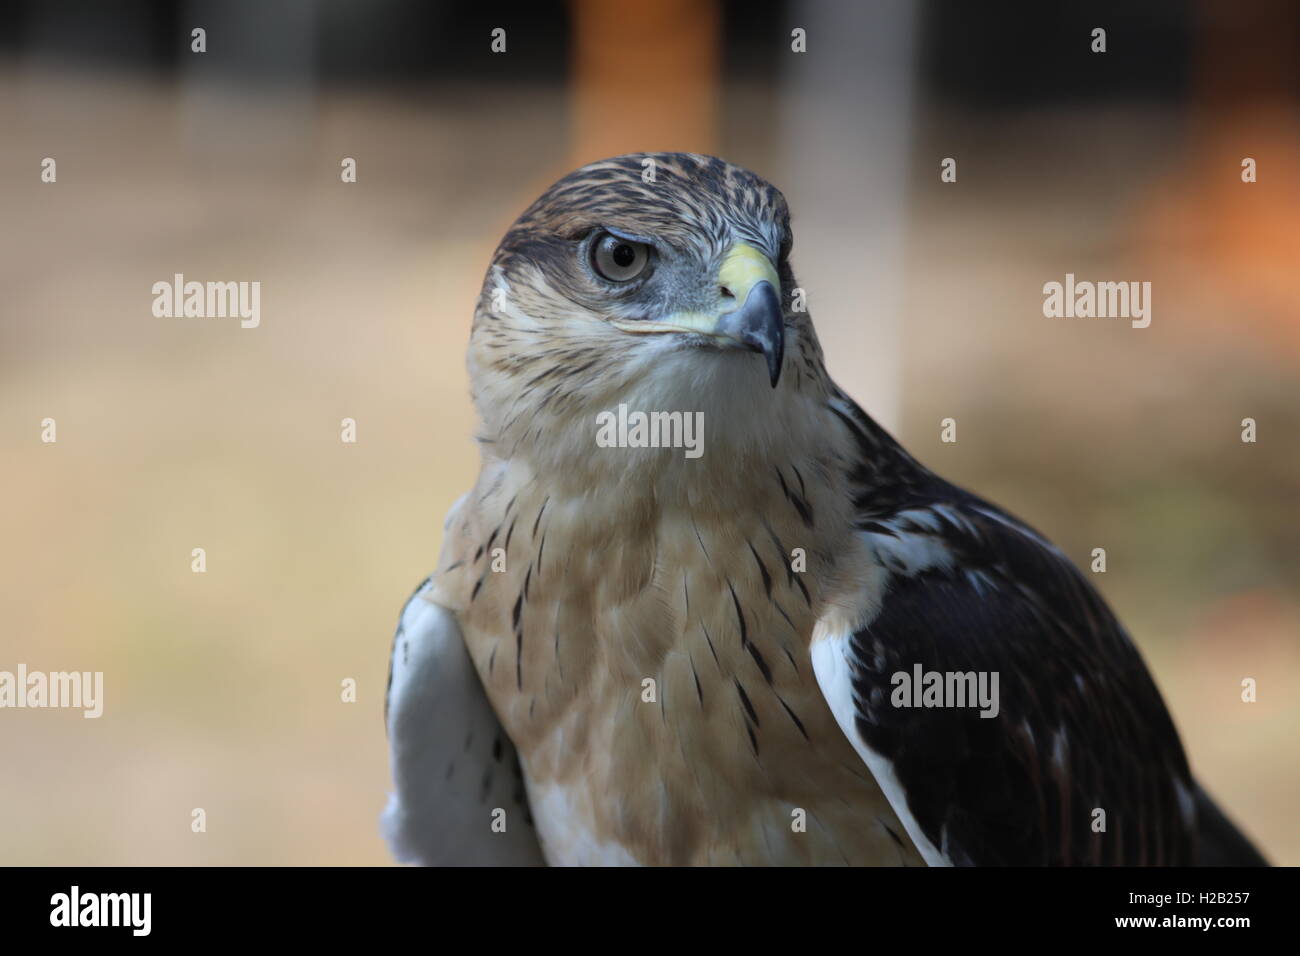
<point>834,673</point>
<point>913,542</point>
<point>453,765</point>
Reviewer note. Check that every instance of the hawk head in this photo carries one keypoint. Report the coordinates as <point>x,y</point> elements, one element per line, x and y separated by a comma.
<point>656,280</point>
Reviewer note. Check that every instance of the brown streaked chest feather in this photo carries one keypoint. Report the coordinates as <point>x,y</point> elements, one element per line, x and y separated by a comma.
<point>651,665</point>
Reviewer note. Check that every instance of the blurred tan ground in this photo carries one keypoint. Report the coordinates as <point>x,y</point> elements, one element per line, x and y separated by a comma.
<point>223,688</point>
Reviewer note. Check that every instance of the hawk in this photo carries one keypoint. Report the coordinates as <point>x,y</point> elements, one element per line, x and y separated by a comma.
<point>632,655</point>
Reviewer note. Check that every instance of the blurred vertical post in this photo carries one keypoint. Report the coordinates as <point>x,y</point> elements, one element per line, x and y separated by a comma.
<point>252,92</point>
<point>846,127</point>
<point>1246,103</point>
<point>645,77</point>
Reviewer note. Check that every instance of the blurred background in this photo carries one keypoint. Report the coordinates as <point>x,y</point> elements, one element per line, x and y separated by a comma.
<point>223,689</point>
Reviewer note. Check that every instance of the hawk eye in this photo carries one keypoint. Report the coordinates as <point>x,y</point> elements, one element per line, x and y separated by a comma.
<point>618,259</point>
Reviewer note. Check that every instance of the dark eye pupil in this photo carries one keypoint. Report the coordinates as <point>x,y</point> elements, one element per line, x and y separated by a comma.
<point>623,255</point>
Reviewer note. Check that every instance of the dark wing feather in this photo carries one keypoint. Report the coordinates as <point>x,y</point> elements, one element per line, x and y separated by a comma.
<point>1081,726</point>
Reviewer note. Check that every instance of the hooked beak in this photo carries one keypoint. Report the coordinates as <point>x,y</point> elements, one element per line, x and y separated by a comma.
<point>755,320</point>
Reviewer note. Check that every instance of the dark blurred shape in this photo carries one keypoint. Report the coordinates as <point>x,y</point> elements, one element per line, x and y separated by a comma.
<point>376,42</point>
<point>1018,53</point>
